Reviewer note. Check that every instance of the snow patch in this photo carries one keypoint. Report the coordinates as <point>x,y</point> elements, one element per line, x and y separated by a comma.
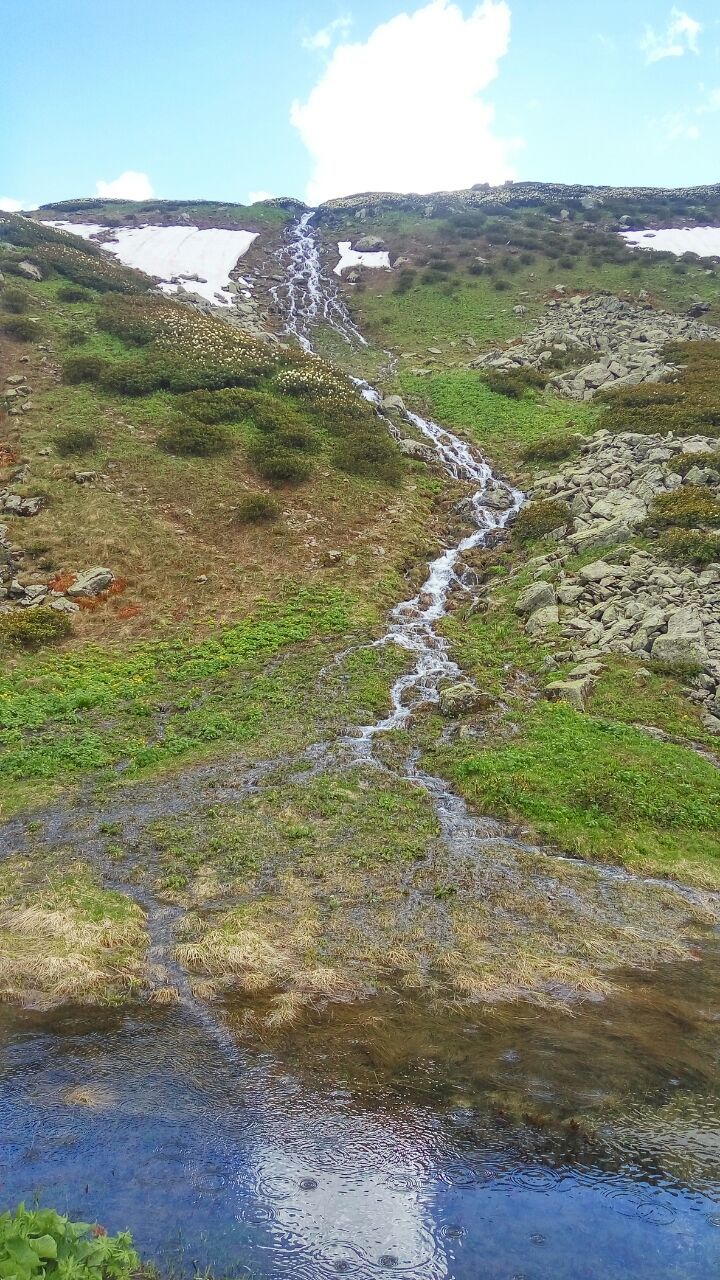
<point>351,258</point>
<point>171,253</point>
<point>704,241</point>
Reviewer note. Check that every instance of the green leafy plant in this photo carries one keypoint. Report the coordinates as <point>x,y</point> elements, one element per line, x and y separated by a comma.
<point>538,519</point>
<point>550,448</point>
<point>257,508</point>
<point>21,327</point>
<point>32,628</point>
<point>14,300</point>
<point>73,293</point>
<point>685,508</point>
<point>75,440</point>
<point>514,383</point>
<point>40,1243</point>
<point>195,439</point>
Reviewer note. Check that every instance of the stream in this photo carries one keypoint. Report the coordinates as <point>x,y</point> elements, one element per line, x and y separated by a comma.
<point>521,1144</point>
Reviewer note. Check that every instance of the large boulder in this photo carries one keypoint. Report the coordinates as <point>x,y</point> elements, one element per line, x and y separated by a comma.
<point>369,244</point>
<point>539,595</point>
<point>29,270</point>
<point>463,696</point>
<point>683,644</point>
<point>92,582</point>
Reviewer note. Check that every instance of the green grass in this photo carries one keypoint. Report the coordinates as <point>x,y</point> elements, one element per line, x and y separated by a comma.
<point>504,427</point>
<point>93,709</point>
<point>599,789</point>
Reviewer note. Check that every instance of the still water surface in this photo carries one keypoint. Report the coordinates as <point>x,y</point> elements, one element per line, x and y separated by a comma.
<point>522,1143</point>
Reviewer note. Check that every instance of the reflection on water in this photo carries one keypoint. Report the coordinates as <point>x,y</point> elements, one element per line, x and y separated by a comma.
<point>519,1144</point>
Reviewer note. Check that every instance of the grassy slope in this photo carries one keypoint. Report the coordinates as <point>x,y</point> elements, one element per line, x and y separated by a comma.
<point>597,783</point>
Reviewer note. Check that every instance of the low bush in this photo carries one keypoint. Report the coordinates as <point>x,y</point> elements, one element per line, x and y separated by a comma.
<point>231,404</point>
<point>33,628</point>
<point>501,285</point>
<point>86,368</point>
<point>75,440</point>
<point>299,437</point>
<point>40,1244</point>
<point>195,439</point>
<point>688,507</point>
<point>684,462</point>
<point>405,280</point>
<point>14,300</point>
<point>537,519</point>
<point>551,448</point>
<point>279,466</point>
<point>691,546</point>
<point>513,383</point>
<point>75,336</point>
<point>73,293</point>
<point>370,455</point>
<point>257,508</point>
<point>22,328</point>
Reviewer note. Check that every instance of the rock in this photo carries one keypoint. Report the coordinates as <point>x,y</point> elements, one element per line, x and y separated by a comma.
<point>683,644</point>
<point>332,557</point>
<point>541,619</point>
<point>16,505</point>
<point>462,697</point>
<point>414,449</point>
<point>602,533</point>
<point>85,477</point>
<point>520,310</point>
<point>92,582</point>
<point>61,605</point>
<point>572,691</point>
<point>539,595</point>
<point>599,570</point>
<point>369,244</point>
<point>393,404</point>
<point>29,270</point>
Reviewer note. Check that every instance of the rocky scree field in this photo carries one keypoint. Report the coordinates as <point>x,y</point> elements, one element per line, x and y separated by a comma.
<point>204,528</point>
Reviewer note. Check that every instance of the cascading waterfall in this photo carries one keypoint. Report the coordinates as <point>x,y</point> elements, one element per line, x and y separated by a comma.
<point>310,297</point>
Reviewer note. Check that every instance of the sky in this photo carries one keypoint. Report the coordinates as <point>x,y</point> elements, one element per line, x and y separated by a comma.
<point>240,99</point>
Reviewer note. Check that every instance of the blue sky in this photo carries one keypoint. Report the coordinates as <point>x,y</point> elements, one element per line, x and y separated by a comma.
<point>223,98</point>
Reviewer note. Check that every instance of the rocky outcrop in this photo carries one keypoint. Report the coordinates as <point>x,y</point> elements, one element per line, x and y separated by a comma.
<point>610,487</point>
<point>626,339</point>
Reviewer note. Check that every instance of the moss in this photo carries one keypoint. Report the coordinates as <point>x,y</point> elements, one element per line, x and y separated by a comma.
<point>33,628</point>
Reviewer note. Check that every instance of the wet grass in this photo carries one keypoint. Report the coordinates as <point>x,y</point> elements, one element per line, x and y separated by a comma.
<point>63,938</point>
<point>600,789</point>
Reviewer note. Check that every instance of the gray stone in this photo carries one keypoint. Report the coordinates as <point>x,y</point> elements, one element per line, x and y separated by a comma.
<point>369,244</point>
<point>92,582</point>
<point>572,691</point>
<point>29,270</point>
<point>462,697</point>
<point>539,595</point>
<point>542,619</point>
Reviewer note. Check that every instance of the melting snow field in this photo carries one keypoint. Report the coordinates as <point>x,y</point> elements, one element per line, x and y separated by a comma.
<point>704,241</point>
<point>168,252</point>
<point>351,258</point>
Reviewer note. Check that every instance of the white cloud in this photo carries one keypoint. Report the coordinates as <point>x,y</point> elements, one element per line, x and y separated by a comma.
<point>8,205</point>
<point>255,196</point>
<point>401,112</point>
<point>679,37</point>
<point>323,38</point>
<point>129,186</point>
<point>677,128</point>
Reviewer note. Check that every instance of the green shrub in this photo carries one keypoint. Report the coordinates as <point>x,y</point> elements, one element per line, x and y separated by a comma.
<point>125,320</point>
<point>299,437</point>
<point>279,466</point>
<point>551,448</point>
<point>688,507</point>
<point>369,455</point>
<point>86,368</point>
<point>22,328</point>
<point>32,628</point>
<point>40,1244</point>
<point>501,285</point>
<point>691,546</point>
<point>195,439</point>
<point>75,336</point>
<point>537,519</point>
<point>231,404</point>
<point>684,462</point>
<point>75,440</point>
<point>257,508</point>
<point>513,383</point>
<point>14,300</point>
<point>73,293</point>
<point>405,280</point>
